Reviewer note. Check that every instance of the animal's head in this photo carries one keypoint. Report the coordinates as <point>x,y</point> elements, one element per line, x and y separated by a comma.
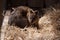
<point>21,14</point>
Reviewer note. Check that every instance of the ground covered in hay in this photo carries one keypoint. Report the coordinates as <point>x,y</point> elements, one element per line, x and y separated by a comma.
<point>15,33</point>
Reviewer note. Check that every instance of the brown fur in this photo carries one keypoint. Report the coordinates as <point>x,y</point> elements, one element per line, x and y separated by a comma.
<point>22,16</point>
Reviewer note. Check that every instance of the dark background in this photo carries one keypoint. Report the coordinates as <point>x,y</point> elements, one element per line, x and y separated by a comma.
<point>34,4</point>
<point>1,10</point>
<point>7,4</point>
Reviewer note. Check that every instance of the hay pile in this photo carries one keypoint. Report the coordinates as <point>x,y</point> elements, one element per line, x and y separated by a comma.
<point>15,33</point>
<point>49,24</point>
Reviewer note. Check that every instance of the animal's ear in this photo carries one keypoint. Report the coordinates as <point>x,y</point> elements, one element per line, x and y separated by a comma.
<point>13,9</point>
<point>36,11</point>
<point>4,11</point>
